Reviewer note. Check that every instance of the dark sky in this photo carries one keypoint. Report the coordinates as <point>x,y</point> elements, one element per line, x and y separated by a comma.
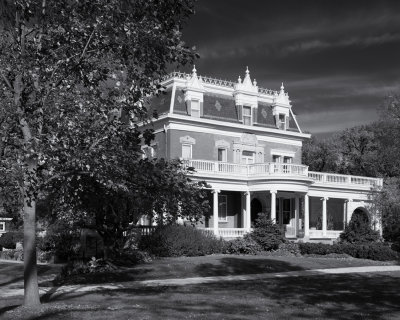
<point>337,59</point>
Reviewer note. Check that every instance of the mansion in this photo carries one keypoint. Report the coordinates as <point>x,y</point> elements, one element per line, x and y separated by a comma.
<point>246,143</point>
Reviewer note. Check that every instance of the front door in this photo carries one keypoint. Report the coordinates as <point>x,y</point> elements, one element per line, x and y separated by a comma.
<point>285,216</point>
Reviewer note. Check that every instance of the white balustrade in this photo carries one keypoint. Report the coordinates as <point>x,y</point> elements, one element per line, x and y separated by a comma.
<point>228,232</point>
<point>279,169</point>
<point>332,178</point>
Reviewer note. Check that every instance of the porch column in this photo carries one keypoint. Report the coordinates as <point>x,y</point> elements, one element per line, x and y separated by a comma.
<point>296,215</point>
<point>324,218</point>
<point>215,210</point>
<point>273,205</point>
<point>248,211</point>
<point>348,211</point>
<point>306,217</point>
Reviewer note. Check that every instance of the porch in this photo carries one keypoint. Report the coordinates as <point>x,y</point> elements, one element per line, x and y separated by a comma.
<point>300,216</point>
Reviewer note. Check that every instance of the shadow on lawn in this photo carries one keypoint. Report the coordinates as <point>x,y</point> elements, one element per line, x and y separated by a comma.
<point>346,296</point>
<point>349,296</point>
<point>238,266</point>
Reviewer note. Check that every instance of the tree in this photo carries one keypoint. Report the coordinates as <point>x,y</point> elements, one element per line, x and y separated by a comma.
<point>65,66</point>
<point>159,189</point>
<point>320,155</point>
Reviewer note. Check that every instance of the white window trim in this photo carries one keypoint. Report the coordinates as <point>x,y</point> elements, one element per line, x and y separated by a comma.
<point>191,151</point>
<point>283,153</point>
<point>197,109</point>
<point>282,122</point>
<point>2,226</point>
<point>223,219</point>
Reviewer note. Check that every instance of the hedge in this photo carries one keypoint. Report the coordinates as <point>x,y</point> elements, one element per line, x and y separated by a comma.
<point>374,251</point>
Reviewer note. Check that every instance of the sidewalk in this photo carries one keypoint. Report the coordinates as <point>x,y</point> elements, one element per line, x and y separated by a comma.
<point>54,291</point>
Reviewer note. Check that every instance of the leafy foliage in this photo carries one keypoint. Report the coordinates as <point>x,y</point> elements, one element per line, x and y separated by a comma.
<point>373,251</point>
<point>359,229</point>
<point>9,239</point>
<point>175,240</point>
<point>266,233</point>
<point>67,68</point>
<point>245,245</point>
<point>62,239</point>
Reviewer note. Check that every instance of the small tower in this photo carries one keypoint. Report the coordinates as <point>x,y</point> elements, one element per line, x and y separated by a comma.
<point>281,109</point>
<point>194,94</point>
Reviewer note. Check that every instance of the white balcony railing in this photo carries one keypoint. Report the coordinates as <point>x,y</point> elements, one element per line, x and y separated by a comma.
<point>228,232</point>
<point>270,169</point>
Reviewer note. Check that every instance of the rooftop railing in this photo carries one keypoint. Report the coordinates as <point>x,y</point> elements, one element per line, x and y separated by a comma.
<point>216,82</point>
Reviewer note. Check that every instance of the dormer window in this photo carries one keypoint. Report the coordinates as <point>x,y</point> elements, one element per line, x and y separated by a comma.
<point>246,115</point>
<point>195,108</point>
<point>282,122</point>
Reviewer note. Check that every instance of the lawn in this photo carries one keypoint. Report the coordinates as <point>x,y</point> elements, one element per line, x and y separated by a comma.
<point>348,296</point>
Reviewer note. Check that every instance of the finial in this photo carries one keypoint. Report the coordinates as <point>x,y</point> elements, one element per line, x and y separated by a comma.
<point>255,83</point>
<point>194,70</point>
<point>282,88</point>
<point>247,70</point>
<point>239,80</point>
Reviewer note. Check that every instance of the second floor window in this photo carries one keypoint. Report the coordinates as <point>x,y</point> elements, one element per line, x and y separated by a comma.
<point>222,155</point>
<point>195,108</point>
<point>247,116</point>
<point>186,151</point>
<point>2,226</point>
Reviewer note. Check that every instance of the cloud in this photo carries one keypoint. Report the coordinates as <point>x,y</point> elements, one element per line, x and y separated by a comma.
<point>332,121</point>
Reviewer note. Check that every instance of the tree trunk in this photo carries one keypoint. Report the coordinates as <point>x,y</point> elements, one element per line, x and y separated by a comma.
<point>31,293</point>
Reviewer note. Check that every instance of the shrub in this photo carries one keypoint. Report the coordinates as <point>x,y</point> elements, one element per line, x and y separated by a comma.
<point>9,240</point>
<point>245,245</point>
<point>81,267</point>
<point>359,229</point>
<point>177,240</point>
<point>62,240</point>
<point>12,254</point>
<point>373,251</point>
<point>266,233</point>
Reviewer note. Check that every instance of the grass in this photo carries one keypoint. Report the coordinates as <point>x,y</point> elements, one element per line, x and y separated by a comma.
<point>313,297</point>
<point>217,265</point>
<point>348,296</point>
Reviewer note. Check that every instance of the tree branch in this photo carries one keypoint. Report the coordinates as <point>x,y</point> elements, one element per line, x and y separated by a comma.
<point>6,81</point>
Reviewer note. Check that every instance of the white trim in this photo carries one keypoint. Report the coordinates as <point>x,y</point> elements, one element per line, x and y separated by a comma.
<point>2,226</point>
<point>295,120</point>
<point>5,219</point>
<point>171,106</point>
<point>202,121</point>
<point>187,140</point>
<point>199,129</point>
<point>191,150</point>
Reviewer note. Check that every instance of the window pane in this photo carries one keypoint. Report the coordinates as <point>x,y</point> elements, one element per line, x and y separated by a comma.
<point>222,155</point>
<point>222,207</point>
<point>186,151</point>
<point>195,106</point>
<point>287,160</point>
<point>276,159</point>
<point>247,116</point>
<point>246,111</point>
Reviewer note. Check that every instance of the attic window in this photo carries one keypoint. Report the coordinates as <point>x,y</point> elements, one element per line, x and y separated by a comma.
<point>247,116</point>
<point>195,108</point>
<point>282,121</point>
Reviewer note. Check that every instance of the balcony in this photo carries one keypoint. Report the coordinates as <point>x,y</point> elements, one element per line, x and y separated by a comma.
<point>281,170</point>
